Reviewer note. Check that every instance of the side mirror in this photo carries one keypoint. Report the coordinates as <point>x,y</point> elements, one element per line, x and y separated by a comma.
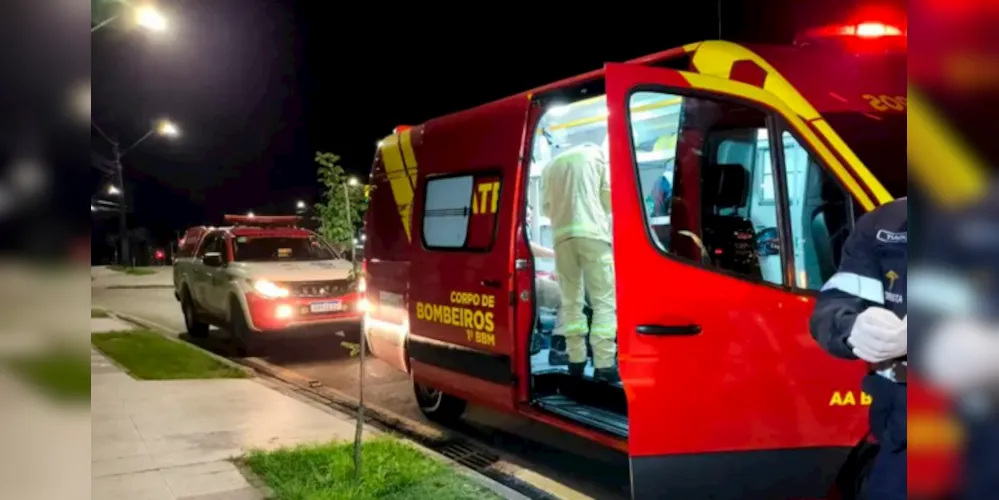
<point>213,259</point>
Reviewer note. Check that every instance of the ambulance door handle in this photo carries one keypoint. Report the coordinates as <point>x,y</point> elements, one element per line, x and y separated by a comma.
<point>491,283</point>
<point>665,330</point>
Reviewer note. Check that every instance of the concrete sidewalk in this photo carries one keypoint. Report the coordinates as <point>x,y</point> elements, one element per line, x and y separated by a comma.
<point>105,277</point>
<point>175,439</point>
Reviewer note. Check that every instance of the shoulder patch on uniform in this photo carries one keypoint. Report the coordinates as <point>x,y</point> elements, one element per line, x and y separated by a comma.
<point>892,237</point>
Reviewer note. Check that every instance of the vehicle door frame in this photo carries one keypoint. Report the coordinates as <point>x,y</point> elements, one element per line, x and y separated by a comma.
<point>218,284</point>
<point>525,264</point>
<point>206,274</point>
<point>199,271</point>
<point>789,472</point>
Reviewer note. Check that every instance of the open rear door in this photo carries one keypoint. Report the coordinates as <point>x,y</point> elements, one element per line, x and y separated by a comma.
<point>729,397</point>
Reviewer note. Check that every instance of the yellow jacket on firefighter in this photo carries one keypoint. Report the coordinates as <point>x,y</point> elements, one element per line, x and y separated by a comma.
<point>575,189</point>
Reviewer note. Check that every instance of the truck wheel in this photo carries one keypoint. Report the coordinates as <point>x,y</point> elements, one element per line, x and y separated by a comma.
<point>852,479</point>
<point>195,327</point>
<point>437,406</point>
<point>239,331</point>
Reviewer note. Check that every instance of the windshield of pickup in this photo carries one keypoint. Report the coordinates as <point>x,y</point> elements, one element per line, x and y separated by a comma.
<point>879,140</point>
<point>280,249</point>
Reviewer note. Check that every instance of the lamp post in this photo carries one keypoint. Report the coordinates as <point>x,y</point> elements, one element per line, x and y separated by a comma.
<point>165,128</point>
<point>350,223</point>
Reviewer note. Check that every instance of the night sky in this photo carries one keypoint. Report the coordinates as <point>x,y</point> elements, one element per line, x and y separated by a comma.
<point>257,86</point>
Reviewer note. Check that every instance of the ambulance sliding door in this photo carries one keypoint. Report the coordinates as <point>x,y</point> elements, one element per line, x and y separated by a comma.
<point>728,394</point>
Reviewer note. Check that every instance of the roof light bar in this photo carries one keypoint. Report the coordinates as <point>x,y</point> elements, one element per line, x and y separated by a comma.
<point>263,220</point>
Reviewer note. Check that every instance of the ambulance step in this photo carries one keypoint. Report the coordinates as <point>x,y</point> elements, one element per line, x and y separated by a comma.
<point>607,421</point>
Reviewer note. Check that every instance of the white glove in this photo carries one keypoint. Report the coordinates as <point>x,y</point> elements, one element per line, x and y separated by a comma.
<point>878,335</point>
<point>962,355</point>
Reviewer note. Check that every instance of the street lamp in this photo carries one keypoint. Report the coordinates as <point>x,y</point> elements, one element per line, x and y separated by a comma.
<point>150,18</point>
<point>146,17</point>
<point>167,128</point>
<point>164,128</point>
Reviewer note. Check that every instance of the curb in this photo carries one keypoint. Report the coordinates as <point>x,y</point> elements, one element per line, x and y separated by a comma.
<point>158,328</point>
<point>134,287</point>
<point>253,365</point>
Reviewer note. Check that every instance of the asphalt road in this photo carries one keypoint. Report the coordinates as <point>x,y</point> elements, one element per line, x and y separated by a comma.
<point>588,468</point>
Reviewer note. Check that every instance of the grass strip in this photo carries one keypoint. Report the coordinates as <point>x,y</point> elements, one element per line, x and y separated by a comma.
<point>390,468</point>
<point>134,271</point>
<point>148,355</point>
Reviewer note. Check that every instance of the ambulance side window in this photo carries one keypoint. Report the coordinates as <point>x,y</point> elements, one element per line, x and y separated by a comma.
<point>821,215</point>
<point>459,212</point>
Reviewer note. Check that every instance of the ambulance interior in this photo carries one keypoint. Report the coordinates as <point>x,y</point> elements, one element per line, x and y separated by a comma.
<point>735,138</point>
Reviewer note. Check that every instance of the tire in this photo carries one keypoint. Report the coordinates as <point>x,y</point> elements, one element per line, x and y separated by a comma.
<point>437,406</point>
<point>852,479</point>
<point>239,331</point>
<point>195,327</point>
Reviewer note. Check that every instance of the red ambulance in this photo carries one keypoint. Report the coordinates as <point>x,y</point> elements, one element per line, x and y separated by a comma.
<point>772,152</point>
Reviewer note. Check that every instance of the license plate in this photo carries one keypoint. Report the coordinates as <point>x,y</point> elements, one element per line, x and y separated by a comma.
<point>326,307</point>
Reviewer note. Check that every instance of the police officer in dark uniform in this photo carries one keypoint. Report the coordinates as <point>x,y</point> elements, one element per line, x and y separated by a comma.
<point>861,314</point>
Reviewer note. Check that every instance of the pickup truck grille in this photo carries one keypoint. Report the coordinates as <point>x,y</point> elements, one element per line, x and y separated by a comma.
<point>321,288</point>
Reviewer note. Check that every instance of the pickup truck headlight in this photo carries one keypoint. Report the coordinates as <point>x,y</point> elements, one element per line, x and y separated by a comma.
<point>270,289</point>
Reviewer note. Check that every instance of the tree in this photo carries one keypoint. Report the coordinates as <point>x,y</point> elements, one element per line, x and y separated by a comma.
<point>336,224</point>
<point>339,222</point>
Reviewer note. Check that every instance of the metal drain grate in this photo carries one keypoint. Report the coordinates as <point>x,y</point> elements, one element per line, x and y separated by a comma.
<point>466,453</point>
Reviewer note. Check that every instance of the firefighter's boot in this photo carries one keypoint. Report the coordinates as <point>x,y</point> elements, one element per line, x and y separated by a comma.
<point>607,375</point>
<point>557,354</point>
<point>577,369</point>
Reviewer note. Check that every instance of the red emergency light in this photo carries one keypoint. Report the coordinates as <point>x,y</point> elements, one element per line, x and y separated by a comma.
<point>159,254</point>
<point>871,27</point>
<point>264,220</point>
<point>868,30</point>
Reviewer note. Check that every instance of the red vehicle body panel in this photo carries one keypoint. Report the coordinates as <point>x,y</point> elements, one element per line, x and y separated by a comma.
<point>754,380</point>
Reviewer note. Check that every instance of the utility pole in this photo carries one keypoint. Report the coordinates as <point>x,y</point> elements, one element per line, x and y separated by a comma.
<point>122,222</point>
<point>350,224</point>
<point>164,128</point>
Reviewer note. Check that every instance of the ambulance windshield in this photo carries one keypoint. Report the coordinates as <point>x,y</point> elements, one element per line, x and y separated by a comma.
<point>879,140</point>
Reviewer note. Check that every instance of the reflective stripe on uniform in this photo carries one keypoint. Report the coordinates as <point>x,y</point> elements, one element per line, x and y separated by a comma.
<point>602,330</point>
<point>859,286</point>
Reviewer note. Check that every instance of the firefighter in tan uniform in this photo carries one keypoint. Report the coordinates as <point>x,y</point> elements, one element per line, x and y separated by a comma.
<point>576,197</point>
